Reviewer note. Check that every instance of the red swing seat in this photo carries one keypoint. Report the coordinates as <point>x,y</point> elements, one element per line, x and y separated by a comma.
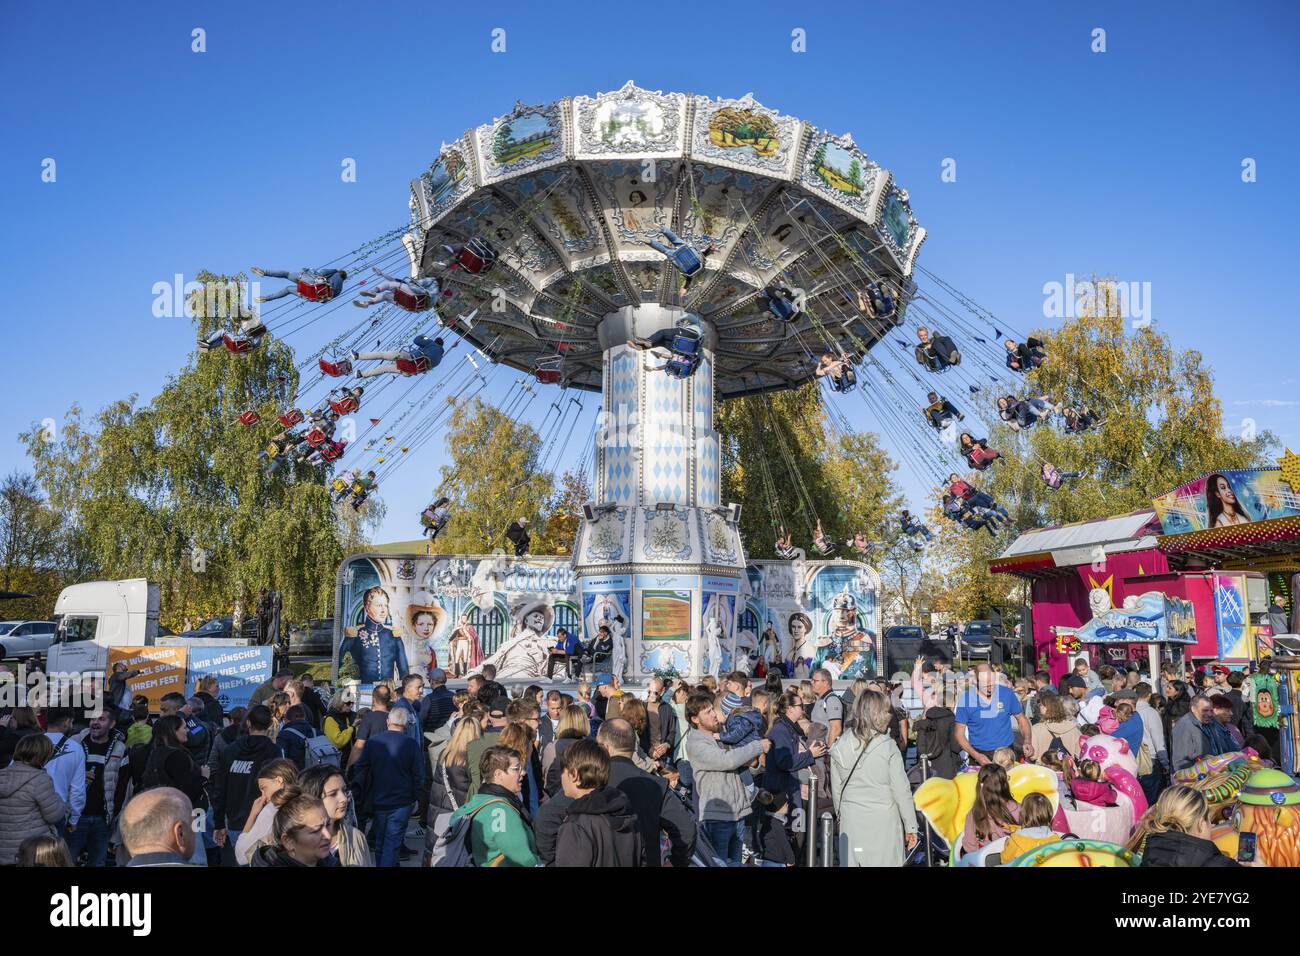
<point>550,376</point>
<point>291,417</point>
<point>316,437</point>
<point>237,344</point>
<point>332,452</point>
<point>346,406</point>
<point>249,418</point>
<point>413,366</point>
<point>337,368</point>
<point>421,302</point>
<point>318,291</point>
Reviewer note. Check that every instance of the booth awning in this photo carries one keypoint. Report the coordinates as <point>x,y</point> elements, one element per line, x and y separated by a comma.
<point>1049,551</point>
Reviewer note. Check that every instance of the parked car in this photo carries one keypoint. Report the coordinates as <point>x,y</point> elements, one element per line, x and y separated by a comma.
<point>25,638</point>
<point>902,646</point>
<point>312,637</point>
<point>977,639</point>
<point>223,627</point>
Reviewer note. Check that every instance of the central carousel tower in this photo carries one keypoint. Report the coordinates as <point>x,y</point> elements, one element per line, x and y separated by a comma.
<point>571,194</point>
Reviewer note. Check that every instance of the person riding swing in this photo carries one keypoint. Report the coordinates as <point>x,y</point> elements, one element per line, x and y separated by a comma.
<point>683,343</point>
<point>840,371</point>
<point>435,517</point>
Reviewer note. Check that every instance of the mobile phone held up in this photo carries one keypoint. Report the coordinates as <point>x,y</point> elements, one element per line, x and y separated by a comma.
<point>1246,847</point>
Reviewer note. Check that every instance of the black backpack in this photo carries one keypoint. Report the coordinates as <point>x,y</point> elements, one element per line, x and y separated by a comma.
<point>1057,746</point>
<point>930,740</point>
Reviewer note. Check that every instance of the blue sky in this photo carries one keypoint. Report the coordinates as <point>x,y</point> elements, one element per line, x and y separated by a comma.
<point>1125,163</point>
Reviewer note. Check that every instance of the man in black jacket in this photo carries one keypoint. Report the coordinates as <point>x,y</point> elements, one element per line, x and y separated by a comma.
<point>234,784</point>
<point>599,827</point>
<point>655,808</point>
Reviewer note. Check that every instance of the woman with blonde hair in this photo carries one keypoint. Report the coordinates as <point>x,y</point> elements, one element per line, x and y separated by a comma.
<point>1177,832</point>
<point>326,784</point>
<point>870,790</point>
<point>574,725</point>
<point>451,776</point>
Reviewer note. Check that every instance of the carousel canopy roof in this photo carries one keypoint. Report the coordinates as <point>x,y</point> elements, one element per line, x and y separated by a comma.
<point>572,192</point>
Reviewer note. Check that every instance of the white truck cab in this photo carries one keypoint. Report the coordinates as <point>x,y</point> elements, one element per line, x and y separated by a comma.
<point>97,615</point>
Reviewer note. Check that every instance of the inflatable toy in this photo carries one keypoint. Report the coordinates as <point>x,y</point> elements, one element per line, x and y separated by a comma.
<point>1071,852</point>
<point>1119,766</point>
<point>946,803</point>
<point>1207,766</point>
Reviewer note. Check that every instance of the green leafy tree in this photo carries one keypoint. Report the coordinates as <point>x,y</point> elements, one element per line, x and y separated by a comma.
<point>174,490</point>
<point>779,463</point>
<point>563,515</point>
<point>494,477</point>
<point>1163,424</point>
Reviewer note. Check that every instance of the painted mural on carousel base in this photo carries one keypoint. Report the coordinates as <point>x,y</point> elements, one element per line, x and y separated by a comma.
<point>401,613</point>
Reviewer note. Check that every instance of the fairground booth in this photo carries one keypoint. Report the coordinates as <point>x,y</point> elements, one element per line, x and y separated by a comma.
<point>1195,578</point>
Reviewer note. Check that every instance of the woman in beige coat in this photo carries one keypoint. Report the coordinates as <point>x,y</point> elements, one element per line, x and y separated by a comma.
<point>1053,724</point>
<point>870,790</point>
<point>28,804</point>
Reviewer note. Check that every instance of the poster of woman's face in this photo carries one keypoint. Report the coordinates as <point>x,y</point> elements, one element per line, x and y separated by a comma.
<point>1222,506</point>
<point>425,624</point>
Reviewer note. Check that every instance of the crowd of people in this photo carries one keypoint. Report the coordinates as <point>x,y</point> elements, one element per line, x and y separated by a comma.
<point>721,772</point>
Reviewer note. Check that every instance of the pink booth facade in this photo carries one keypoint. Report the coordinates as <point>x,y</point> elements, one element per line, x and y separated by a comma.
<point>1118,555</point>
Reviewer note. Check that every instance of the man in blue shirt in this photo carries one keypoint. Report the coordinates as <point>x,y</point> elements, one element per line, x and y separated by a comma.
<point>984,718</point>
<point>566,647</point>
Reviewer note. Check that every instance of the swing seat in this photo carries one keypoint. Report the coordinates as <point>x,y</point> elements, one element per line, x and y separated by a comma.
<point>237,344</point>
<point>291,418</point>
<point>550,376</point>
<point>686,260</point>
<point>336,368</point>
<point>682,367</point>
<point>782,308</point>
<point>315,289</point>
<point>249,418</point>
<point>685,344</point>
<point>316,437</point>
<point>846,382</point>
<point>330,452</point>
<point>477,256</point>
<point>413,366</point>
<point>882,305</point>
<point>421,302</point>
<point>788,554</point>
<point>339,485</point>
<point>345,406</point>
<point>825,548</point>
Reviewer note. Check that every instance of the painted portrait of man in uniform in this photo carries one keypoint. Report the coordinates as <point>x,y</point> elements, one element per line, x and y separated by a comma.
<point>376,650</point>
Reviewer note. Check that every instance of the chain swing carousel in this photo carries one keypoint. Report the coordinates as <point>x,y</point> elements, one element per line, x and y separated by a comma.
<point>646,246</point>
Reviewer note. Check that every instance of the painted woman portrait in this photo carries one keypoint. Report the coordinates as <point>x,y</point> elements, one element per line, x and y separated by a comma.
<point>1222,506</point>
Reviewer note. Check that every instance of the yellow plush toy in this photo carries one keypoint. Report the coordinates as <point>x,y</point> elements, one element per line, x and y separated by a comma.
<point>946,803</point>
